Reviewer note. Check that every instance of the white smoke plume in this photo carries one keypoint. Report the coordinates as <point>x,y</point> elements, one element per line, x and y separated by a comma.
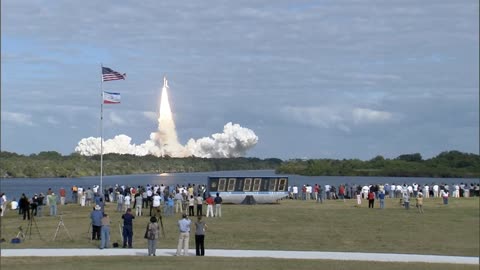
<point>233,142</point>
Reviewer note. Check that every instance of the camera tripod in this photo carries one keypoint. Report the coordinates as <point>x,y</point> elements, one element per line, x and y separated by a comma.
<point>28,231</point>
<point>61,224</point>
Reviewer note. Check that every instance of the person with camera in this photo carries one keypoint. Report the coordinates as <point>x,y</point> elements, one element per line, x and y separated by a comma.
<point>105,232</point>
<point>152,235</point>
<point>200,228</point>
<point>128,228</point>
<point>184,237</point>
<point>96,217</point>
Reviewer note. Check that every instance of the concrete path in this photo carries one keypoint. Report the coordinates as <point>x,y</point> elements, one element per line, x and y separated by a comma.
<point>315,255</point>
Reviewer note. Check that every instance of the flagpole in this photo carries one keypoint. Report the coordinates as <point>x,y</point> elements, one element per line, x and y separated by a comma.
<point>101,129</point>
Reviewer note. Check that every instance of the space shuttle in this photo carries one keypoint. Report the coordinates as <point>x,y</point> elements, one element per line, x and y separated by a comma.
<point>165,82</point>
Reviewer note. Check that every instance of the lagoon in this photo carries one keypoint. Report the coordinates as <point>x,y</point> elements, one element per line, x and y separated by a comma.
<point>13,188</point>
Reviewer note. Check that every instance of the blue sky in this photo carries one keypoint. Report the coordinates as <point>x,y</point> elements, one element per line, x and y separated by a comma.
<point>312,79</point>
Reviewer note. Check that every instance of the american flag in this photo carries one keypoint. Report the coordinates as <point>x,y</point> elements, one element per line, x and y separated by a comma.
<point>110,75</point>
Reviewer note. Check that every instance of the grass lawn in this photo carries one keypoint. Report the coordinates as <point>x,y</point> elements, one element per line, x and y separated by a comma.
<point>208,263</point>
<point>451,229</point>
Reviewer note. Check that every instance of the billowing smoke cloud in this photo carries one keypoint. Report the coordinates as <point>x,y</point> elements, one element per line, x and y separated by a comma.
<point>233,142</point>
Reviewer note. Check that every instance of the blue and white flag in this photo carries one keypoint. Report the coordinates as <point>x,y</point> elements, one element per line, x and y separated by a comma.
<point>111,98</point>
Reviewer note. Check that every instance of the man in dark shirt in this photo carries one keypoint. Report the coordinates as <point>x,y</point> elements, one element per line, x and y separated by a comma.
<point>128,228</point>
<point>218,205</point>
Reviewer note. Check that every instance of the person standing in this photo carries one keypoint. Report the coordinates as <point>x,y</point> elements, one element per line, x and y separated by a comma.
<point>371,199</point>
<point>200,228</point>
<point>40,203</point>
<point>199,205</point>
<point>80,195</point>
<point>89,197</point>
<point>152,236</point>
<point>127,228</point>
<point>209,201</point>
<point>24,205</point>
<point>138,204</point>
<point>52,200</point>
<point>319,193</point>
<point>420,202</point>
<point>295,192</point>
<point>169,204</point>
<point>178,202</point>
<point>96,217</point>
<point>120,199</point>
<point>184,237</point>
<point>191,205</point>
<point>127,200</point>
<point>155,205</point>
<point>443,193</point>
<point>381,197</point>
<point>3,203</point>
<point>33,205</point>
<point>62,193</point>
<point>406,200</point>
<point>105,232</point>
<point>218,205</point>
<point>74,193</point>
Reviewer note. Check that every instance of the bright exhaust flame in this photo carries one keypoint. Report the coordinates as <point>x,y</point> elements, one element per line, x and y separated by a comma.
<point>166,136</point>
<point>233,142</point>
<point>165,111</point>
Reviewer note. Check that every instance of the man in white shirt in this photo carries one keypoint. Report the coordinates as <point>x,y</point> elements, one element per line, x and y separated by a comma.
<point>426,191</point>
<point>327,191</point>
<point>436,191</point>
<point>365,190</point>
<point>457,191</point>
<point>156,205</point>
<point>309,192</point>
<point>178,202</point>
<point>14,204</point>
<point>295,192</point>
<point>79,195</point>
<point>410,191</point>
<point>415,189</point>
<point>3,203</point>
<point>398,191</point>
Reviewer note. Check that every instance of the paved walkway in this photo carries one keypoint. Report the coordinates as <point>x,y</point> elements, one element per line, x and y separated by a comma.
<point>342,256</point>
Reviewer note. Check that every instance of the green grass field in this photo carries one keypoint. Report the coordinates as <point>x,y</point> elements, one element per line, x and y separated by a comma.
<point>451,229</point>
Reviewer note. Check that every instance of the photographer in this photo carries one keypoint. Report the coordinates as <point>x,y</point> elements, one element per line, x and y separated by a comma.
<point>96,216</point>
<point>128,228</point>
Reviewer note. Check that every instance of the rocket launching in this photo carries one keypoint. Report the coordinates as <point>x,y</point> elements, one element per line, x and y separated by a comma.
<point>166,137</point>
<point>233,142</point>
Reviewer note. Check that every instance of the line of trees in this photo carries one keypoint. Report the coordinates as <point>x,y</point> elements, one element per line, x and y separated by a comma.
<point>446,164</point>
<point>53,164</point>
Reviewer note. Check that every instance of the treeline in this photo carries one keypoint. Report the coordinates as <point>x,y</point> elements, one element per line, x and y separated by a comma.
<point>446,164</point>
<point>53,164</point>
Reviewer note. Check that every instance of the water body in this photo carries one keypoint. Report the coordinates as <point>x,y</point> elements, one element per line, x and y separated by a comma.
<point>15,187</point>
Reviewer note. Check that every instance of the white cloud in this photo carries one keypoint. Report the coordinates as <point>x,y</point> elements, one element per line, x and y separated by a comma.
<point>18,118</point>
<point>323,117</point>
<point>362,115</point>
